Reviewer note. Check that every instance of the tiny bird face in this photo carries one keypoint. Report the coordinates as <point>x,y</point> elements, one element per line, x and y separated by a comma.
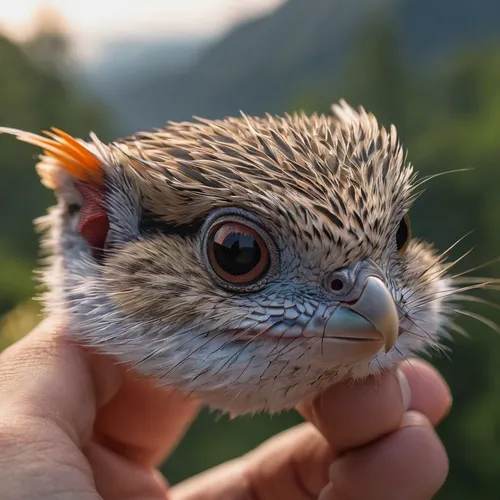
<point>248,261</point>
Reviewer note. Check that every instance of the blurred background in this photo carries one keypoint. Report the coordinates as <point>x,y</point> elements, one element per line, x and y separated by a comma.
<point>430,67</point>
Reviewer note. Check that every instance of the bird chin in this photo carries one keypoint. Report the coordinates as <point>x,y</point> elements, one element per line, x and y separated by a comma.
<point>281,373</point>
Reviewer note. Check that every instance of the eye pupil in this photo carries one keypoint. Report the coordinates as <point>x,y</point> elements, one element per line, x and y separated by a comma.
<point>237,253</point>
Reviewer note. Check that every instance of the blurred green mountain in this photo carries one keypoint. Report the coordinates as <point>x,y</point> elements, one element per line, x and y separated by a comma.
<point>262,65</point>
<point>123,61</point>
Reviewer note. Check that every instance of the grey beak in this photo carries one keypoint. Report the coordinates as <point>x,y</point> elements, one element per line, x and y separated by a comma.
<point>373,316</point>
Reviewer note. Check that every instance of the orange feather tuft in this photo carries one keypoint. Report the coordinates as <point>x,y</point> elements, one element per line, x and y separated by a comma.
<point>73,156</point>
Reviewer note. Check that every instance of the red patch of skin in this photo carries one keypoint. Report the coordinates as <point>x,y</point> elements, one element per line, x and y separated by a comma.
<point>94,223</point>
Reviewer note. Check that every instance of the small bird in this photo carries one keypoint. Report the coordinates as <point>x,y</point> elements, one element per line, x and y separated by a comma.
<point>251,261</point>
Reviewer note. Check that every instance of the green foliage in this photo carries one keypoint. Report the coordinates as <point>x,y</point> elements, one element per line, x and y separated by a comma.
<point>20,320</point>
<point>15,283</point>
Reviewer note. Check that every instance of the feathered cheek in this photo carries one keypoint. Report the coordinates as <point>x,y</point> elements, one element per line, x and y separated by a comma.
<point>93,224</point>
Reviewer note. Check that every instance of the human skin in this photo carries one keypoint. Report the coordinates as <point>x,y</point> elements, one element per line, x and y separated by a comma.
<point>74,425</point>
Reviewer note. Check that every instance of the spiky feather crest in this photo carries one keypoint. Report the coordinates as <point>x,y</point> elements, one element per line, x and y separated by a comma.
<point>315,157</point>
<point>61,152</point>
<point>311,156</point>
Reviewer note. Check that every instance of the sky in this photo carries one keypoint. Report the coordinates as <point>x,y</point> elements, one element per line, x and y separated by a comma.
<point>93,23</point>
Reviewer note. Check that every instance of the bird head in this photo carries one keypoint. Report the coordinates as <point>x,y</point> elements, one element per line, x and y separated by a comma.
<point>248,261</point>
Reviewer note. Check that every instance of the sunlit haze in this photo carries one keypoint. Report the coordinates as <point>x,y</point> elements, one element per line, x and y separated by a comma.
<point>92,24</point>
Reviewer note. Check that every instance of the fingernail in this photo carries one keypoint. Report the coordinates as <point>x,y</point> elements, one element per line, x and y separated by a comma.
<point>414,419</point>
<point>405,389</point>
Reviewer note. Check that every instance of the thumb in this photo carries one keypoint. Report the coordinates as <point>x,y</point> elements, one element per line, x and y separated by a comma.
<point>48,401</point>
<point>352,415</point>
<point>46,377</point>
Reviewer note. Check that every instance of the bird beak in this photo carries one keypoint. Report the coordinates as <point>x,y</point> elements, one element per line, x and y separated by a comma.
<point>371,317</point>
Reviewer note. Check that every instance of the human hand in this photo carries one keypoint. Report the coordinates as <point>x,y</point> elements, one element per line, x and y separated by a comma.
<point>74,425</point>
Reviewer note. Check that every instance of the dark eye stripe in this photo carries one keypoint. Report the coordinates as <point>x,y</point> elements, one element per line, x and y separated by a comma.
<point>151,223</point>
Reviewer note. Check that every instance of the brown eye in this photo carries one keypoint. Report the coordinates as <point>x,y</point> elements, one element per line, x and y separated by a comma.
<point>403,235</point>
<point>237,253</point>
